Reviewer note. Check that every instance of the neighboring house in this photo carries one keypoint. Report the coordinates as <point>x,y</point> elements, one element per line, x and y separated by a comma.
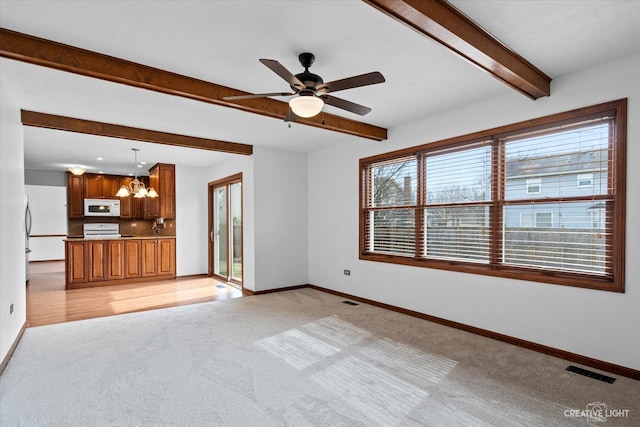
<point>566,175</point>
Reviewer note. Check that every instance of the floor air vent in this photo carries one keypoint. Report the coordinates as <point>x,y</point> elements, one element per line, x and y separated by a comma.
<point>221,286</point>
<point>591,374</point>
<point>349,302</point>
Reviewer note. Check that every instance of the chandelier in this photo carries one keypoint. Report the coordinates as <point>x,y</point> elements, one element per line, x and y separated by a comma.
<point>136,187</point>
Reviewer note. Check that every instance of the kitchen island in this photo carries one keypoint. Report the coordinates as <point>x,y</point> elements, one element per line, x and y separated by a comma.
<point>101,262</point>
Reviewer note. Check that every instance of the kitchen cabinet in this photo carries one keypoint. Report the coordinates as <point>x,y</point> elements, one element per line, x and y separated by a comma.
<point>149,256</point>
<point>75,260</point>
<point>166,257</point>
<point>158,257</point>
<point>133,259</point>
<point>75,196</point>
<point>100,186</point>
<point>115,261</point>
<point>131,207</point>
<point>162,179</point>
<point>97,260</point>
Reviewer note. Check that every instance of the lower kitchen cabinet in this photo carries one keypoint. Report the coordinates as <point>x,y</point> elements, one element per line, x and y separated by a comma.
<point>158,257</point>
<point>132,260</point>
<point>149,258</point>
<point>166,257</point>
<point>75,262</point>
<point>116,261</point>
<point>97,258</point>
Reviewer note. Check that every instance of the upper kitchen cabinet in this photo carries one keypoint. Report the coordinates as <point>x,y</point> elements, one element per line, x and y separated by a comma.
<point>162,179</point>
<point>131,207</point>
<point>75,193</point>
<point>99,186</point>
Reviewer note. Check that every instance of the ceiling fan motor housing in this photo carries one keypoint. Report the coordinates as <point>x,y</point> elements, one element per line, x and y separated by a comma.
<point>310,80</point>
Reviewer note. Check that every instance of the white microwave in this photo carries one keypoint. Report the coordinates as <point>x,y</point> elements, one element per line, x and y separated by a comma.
<point>101,207</point>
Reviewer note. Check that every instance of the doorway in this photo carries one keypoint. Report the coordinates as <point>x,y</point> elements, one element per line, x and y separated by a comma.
<point>225,229</point>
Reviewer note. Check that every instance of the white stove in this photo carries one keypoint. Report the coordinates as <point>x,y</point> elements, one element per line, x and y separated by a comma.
<point>101,230</point>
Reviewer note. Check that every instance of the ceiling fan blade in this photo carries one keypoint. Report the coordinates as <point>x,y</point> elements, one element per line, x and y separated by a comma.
<point>351,82</point>
<point>345,105</point>
<point>279,69</point>
<point>257,95</point>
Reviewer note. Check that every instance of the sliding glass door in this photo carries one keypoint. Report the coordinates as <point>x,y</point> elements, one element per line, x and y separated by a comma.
<point>225,229</point>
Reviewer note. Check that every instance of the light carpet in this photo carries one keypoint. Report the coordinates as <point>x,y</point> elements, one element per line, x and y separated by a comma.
<point>294,358</point>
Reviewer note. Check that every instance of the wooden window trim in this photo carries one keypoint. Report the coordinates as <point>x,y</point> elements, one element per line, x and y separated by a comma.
<point>614,283</point>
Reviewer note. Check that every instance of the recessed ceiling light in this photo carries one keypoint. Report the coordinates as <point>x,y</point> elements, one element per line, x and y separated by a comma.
<point>139,166</point>
<point>143,163</point>
<point>99,158</point>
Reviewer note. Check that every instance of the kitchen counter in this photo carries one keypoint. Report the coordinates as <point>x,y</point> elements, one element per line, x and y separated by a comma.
<point>77,238</point>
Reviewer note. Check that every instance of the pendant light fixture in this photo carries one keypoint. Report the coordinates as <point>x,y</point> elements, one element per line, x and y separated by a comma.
<point>136,187</point>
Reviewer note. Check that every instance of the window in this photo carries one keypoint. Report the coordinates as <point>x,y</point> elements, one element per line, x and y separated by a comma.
<point>533,185</point>
<point>585,179</point>
<point>477,203</point>
<point>538,219</point>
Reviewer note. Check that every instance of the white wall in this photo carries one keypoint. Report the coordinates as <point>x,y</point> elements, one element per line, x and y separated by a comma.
<point>281,240</point>
<point>597,324</point>
<point>274,185</point>
<point>12,242</point>
<point>191,222</point>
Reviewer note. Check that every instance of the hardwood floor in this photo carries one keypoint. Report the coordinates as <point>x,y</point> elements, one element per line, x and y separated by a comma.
<point>48,302</point>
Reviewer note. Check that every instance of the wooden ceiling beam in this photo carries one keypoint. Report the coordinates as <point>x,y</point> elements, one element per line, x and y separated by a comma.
<point>34,50</point>
<point>439,20</point>
<point>70,124</point>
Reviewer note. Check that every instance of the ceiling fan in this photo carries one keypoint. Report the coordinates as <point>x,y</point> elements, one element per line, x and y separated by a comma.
<point>312,92</point>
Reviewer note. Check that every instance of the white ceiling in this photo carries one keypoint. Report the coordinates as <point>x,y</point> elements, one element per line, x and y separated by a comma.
<point>221,42</point>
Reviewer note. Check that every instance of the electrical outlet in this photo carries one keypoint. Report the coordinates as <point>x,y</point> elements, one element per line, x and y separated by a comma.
<point>11,309</point>
<point>347,272</point>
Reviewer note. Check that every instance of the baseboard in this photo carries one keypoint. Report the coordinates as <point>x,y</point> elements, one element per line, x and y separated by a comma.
<point>540,348</point>
<point>270,291</point>
<point>192,276</point>
<point>5,362</point>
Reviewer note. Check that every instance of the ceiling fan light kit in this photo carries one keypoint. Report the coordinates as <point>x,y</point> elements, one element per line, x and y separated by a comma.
<point>306,105</point>
<point>312,91</point>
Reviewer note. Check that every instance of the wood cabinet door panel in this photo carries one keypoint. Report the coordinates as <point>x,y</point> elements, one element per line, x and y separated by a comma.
<point>166,257</point>
<point>149,257</point>
<point>97,257</point>
<point>115,263</point>
<point>132,262</point>
<point>75,261</point>
<point>110,186</point>
<point>168,196</point>
<point>75,196</point>
<point>92,186</point>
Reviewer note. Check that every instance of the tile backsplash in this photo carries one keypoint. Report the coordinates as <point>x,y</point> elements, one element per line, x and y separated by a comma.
<point>128,227</point>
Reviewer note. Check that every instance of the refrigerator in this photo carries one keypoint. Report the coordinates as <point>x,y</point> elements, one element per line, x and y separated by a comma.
<point>28,220</point>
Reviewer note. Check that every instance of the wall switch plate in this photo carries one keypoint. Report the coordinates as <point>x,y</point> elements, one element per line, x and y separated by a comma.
<point>347,272</point>
<point>11,309</point>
